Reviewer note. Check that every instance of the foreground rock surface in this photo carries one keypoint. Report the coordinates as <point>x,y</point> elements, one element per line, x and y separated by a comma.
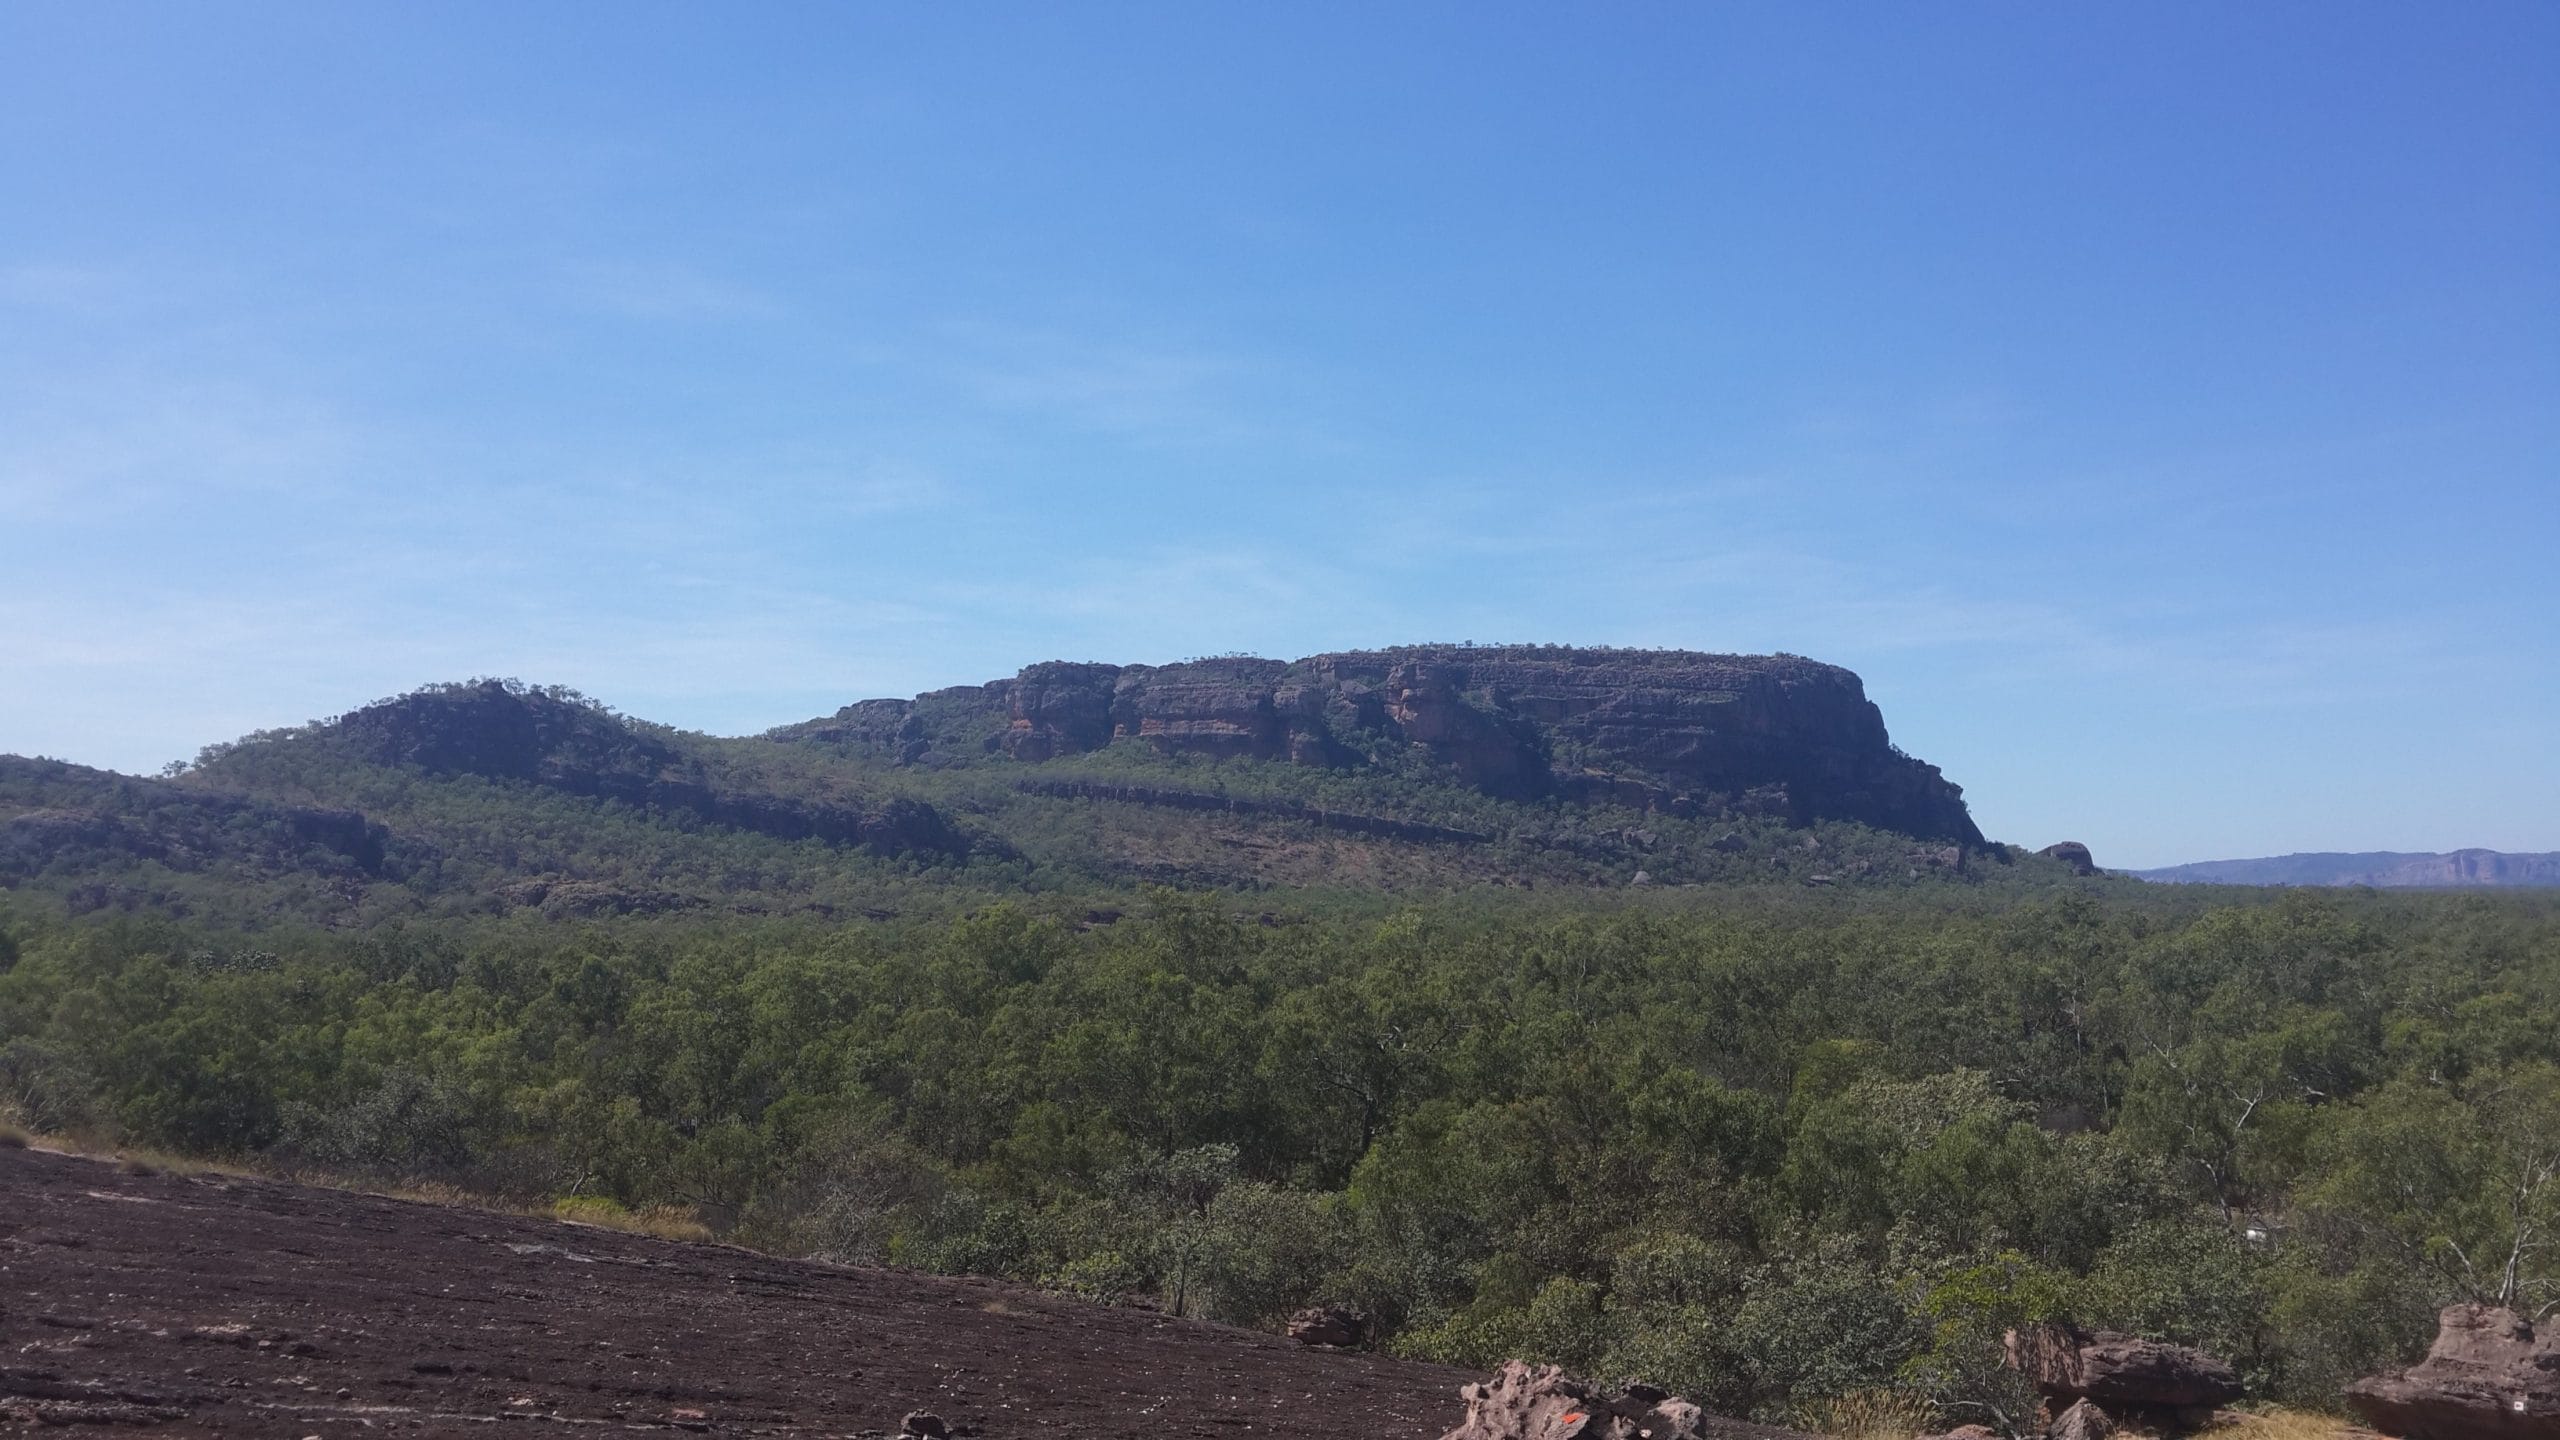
<point>2489,1376</point>
<point>214,1305</point>
<point>2120,1373</point>
<point>1526,1402</point>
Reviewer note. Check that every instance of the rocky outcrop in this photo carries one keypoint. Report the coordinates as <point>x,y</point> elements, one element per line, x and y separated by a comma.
<point>1524,1402</point>
<point>2489,1376</point>
<point>2073,854</point>
<point>1666,730</point>
<point>2122,1374</point>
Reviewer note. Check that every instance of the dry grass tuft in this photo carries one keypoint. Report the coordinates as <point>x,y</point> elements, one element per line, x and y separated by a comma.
<point>426,1192</point>
<point>671,1222</point>
<point>160,1162</point>
<point>1871,1415</point>
<point>2276,1423</point>
<point>666,1222</point>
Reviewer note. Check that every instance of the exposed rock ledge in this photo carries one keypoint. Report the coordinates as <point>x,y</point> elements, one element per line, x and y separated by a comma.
<point>2489,1376</point>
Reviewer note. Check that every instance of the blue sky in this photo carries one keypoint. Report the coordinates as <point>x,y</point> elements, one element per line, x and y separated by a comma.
<point>2159,404</point>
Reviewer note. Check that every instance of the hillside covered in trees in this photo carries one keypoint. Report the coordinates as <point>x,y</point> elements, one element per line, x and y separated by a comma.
<point>1429,770</point>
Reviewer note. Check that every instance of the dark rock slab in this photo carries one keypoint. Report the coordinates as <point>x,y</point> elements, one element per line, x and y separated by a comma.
<point>2121,1373</point>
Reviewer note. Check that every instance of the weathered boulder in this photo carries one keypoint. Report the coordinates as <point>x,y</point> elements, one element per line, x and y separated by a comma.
<point>1337,1325</point>
<point>1525,1402</point>
<point>2073,854</point>
<point>2489,1376</point>
<point>923,1425</point>
<point>2083,1421</point>
<point>2122,1373</point>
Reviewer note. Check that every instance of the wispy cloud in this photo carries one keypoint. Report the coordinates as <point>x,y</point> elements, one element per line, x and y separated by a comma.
<point>110,445</point>
<point>666,290</point>
<point>78,289</point>
<point>1129,389</point>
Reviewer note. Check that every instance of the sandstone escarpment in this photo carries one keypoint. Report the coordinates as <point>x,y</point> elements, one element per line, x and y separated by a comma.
<point>1666,730</point>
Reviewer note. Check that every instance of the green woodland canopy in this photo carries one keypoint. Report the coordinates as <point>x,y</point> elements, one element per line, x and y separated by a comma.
<point>1766,1150</point>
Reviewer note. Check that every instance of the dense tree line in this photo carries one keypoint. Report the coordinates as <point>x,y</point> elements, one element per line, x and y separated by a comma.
<point>1766,1153</point>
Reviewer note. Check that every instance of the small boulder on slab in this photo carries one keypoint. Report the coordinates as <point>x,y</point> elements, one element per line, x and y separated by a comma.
<point>2083,1421</point>
<point>1526,1402</point>
<point>1335,1325</point>
<point>2489,1376</point>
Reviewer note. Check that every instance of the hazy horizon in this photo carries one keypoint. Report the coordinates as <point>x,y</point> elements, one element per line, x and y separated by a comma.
<point>2154,407</point>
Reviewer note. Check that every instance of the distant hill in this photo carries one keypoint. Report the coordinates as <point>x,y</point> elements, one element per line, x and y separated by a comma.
<point>2388,869</point>
<point>1367,773</point>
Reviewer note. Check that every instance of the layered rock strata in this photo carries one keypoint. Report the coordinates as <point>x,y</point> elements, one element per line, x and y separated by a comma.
<point>1665,730</point>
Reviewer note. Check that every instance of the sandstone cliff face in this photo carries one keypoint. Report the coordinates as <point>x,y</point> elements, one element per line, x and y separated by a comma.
<point>1655,729</point>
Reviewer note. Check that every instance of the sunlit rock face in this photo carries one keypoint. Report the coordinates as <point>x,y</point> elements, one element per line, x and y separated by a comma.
<point>1668,730</point>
